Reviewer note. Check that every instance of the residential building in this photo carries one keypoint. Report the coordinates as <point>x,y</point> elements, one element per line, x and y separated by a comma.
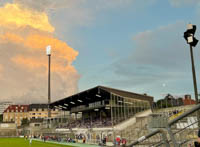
<point>187,100</point>
<point>16,113</point>
<point>38,111</point>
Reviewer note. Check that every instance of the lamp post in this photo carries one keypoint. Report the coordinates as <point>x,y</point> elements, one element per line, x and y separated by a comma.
<point>48,52</point>
<point>192,41</point>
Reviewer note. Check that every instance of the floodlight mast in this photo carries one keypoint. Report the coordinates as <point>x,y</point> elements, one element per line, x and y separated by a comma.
<point>48,52</point>
<point>192,41</point>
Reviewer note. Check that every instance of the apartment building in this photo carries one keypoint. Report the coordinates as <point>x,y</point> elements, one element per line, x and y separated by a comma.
<point>15,113</point>
<point>40,111</point>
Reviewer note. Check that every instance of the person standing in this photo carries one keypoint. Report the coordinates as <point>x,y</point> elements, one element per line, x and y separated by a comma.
<point>30,141</point>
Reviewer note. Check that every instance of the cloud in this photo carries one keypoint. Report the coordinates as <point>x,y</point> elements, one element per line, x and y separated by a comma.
<point>12,16</point>
<point>26,27</point>
<point>1,70</point>
<point>159,56</point>
<point>24,34</point>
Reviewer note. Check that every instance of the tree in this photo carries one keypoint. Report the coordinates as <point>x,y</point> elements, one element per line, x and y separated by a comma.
<point>1,118</point>
<point>25,121</point>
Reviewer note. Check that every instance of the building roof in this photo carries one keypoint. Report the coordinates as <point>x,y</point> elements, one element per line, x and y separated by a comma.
<point>37,106</point>
<point>17,108</point>
<point>126,93</point>
<point>95,94</point>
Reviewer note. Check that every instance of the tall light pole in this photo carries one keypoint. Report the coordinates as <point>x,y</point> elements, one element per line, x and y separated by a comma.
<point>48,52</point>
<point>192,41</point>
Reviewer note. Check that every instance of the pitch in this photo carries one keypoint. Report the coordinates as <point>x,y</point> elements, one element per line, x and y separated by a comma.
<point>21,142</point>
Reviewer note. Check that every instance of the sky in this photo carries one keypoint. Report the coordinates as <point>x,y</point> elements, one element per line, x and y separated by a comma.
<point>133,45</point>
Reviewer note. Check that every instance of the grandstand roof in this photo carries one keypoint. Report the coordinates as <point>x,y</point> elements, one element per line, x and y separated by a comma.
<point>95,94</point>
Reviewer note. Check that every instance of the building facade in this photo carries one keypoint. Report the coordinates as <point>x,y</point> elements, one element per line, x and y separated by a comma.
<point>40,111</point>
<point>187,100</point>
<point>16,113</point>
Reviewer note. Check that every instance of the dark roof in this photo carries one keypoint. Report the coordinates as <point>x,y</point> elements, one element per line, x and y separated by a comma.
<point>90,95</point>
<point>124,93</point>
<point>37,106</point>
<point>16,108</point>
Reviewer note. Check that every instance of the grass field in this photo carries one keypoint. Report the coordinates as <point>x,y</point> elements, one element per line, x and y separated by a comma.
<point>20,142</point>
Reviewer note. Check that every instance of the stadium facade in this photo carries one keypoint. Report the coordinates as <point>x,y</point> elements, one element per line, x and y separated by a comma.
<point>108,106</point>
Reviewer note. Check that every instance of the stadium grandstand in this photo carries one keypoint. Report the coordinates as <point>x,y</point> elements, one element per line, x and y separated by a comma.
<point>103,106</point>
<point>102,109</point>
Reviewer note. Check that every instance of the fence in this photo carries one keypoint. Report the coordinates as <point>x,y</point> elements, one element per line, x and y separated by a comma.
<point>177,132</point>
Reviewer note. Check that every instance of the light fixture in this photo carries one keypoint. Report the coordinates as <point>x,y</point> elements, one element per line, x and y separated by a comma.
<point>48,50</point>
<point>66,104</point>
<point>80,112</point>
<point>107,108</point>
<point>96,109</point>
<point>72,102</point>
<point>189,35</point>
<point>98,95</point>
<point>192,41</point>
<point>119,101</point>
<point>80,100</point>
<point>60,106</point>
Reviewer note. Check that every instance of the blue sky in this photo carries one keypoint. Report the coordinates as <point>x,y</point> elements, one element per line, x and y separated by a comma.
<point>134,45</point>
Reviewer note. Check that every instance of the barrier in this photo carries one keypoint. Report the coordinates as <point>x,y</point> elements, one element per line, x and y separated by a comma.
<point>177,132</point>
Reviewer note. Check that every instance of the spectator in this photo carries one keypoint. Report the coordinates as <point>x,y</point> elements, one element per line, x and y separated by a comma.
<point>123,142</point>
<point>84,139</point>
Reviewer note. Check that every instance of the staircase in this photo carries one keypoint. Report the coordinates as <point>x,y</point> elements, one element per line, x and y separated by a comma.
<point>133,128</point>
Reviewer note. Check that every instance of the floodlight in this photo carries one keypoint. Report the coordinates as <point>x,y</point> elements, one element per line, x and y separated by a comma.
<point>48,50</point>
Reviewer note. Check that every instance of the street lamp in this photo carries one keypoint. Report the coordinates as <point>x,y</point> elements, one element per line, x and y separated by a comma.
<point>48,52</point>
<point>192,41</point>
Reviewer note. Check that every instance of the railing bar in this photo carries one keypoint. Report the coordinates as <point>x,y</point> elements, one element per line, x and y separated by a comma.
<point>185,127</point>
<point>195,108</point>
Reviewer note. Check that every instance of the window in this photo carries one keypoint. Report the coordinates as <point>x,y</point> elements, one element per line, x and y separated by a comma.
<point>37,125</point>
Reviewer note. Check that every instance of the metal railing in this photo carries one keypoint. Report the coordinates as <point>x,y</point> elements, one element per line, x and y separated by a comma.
<point>178,132</point>
<point>148,140</point>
